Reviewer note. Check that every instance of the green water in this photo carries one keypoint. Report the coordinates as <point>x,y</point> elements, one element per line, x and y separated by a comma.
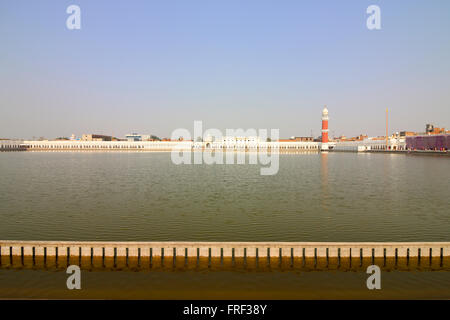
<point>226,284</point>
<point>144,196</point>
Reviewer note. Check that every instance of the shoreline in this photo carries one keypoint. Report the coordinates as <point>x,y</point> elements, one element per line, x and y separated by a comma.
<point>269,150</point>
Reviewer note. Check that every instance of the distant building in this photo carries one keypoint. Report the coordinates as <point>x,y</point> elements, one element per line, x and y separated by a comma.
<point>297,139</point>
<point>430,129</point>
<point>133,137</point>
<point>137,137</point>
<point>379,138</point>
<point>11,145</point>
<point>429,142</point>
<point>361,137</point>
<point>95,137</point>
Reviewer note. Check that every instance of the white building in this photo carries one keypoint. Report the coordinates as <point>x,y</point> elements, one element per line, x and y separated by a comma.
<point>227,143</point>
<point>10,145</point>
<point>372,144</point>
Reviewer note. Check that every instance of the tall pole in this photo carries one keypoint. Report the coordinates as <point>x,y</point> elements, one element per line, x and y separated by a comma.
<point>386,128</point>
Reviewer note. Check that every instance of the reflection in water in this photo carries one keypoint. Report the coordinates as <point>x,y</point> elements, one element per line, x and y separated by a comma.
<point>237,264</point>
<point>324,180</point>
<point>224,283</point>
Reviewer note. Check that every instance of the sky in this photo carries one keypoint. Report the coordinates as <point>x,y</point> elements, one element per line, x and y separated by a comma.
<point>154,66</point>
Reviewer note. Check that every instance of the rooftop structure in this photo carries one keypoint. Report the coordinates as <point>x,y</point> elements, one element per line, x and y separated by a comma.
<point>95,137</point>
<point>430,129</point>
<point>137,137</point>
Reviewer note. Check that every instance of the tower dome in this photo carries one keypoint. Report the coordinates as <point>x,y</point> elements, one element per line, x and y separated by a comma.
<point>325,111</point>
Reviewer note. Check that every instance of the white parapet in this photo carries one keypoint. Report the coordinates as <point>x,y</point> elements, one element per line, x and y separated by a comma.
<point>168,145</point>
<point>227,249</point>
<point>10,145</point>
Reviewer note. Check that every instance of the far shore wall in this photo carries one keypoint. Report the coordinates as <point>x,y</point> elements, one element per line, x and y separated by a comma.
<point>164,146</point>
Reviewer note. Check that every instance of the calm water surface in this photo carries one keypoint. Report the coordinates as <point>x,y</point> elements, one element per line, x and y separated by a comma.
<point>144,196</point>
<point>44,284</point>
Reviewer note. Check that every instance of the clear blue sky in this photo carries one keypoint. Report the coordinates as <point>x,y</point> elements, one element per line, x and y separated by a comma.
<point>154,66</point>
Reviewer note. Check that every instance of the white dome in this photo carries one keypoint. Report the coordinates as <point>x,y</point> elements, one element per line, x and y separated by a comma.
<point>325,111</point>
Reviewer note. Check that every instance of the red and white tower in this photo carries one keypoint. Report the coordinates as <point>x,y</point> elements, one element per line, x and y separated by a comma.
<point>324,145</point>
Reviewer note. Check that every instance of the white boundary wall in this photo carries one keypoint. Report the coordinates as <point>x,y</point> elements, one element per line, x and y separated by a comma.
<point>226,249</point>
<point>394,144</point>
<point>8,145</point>
<point>167,145</point>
